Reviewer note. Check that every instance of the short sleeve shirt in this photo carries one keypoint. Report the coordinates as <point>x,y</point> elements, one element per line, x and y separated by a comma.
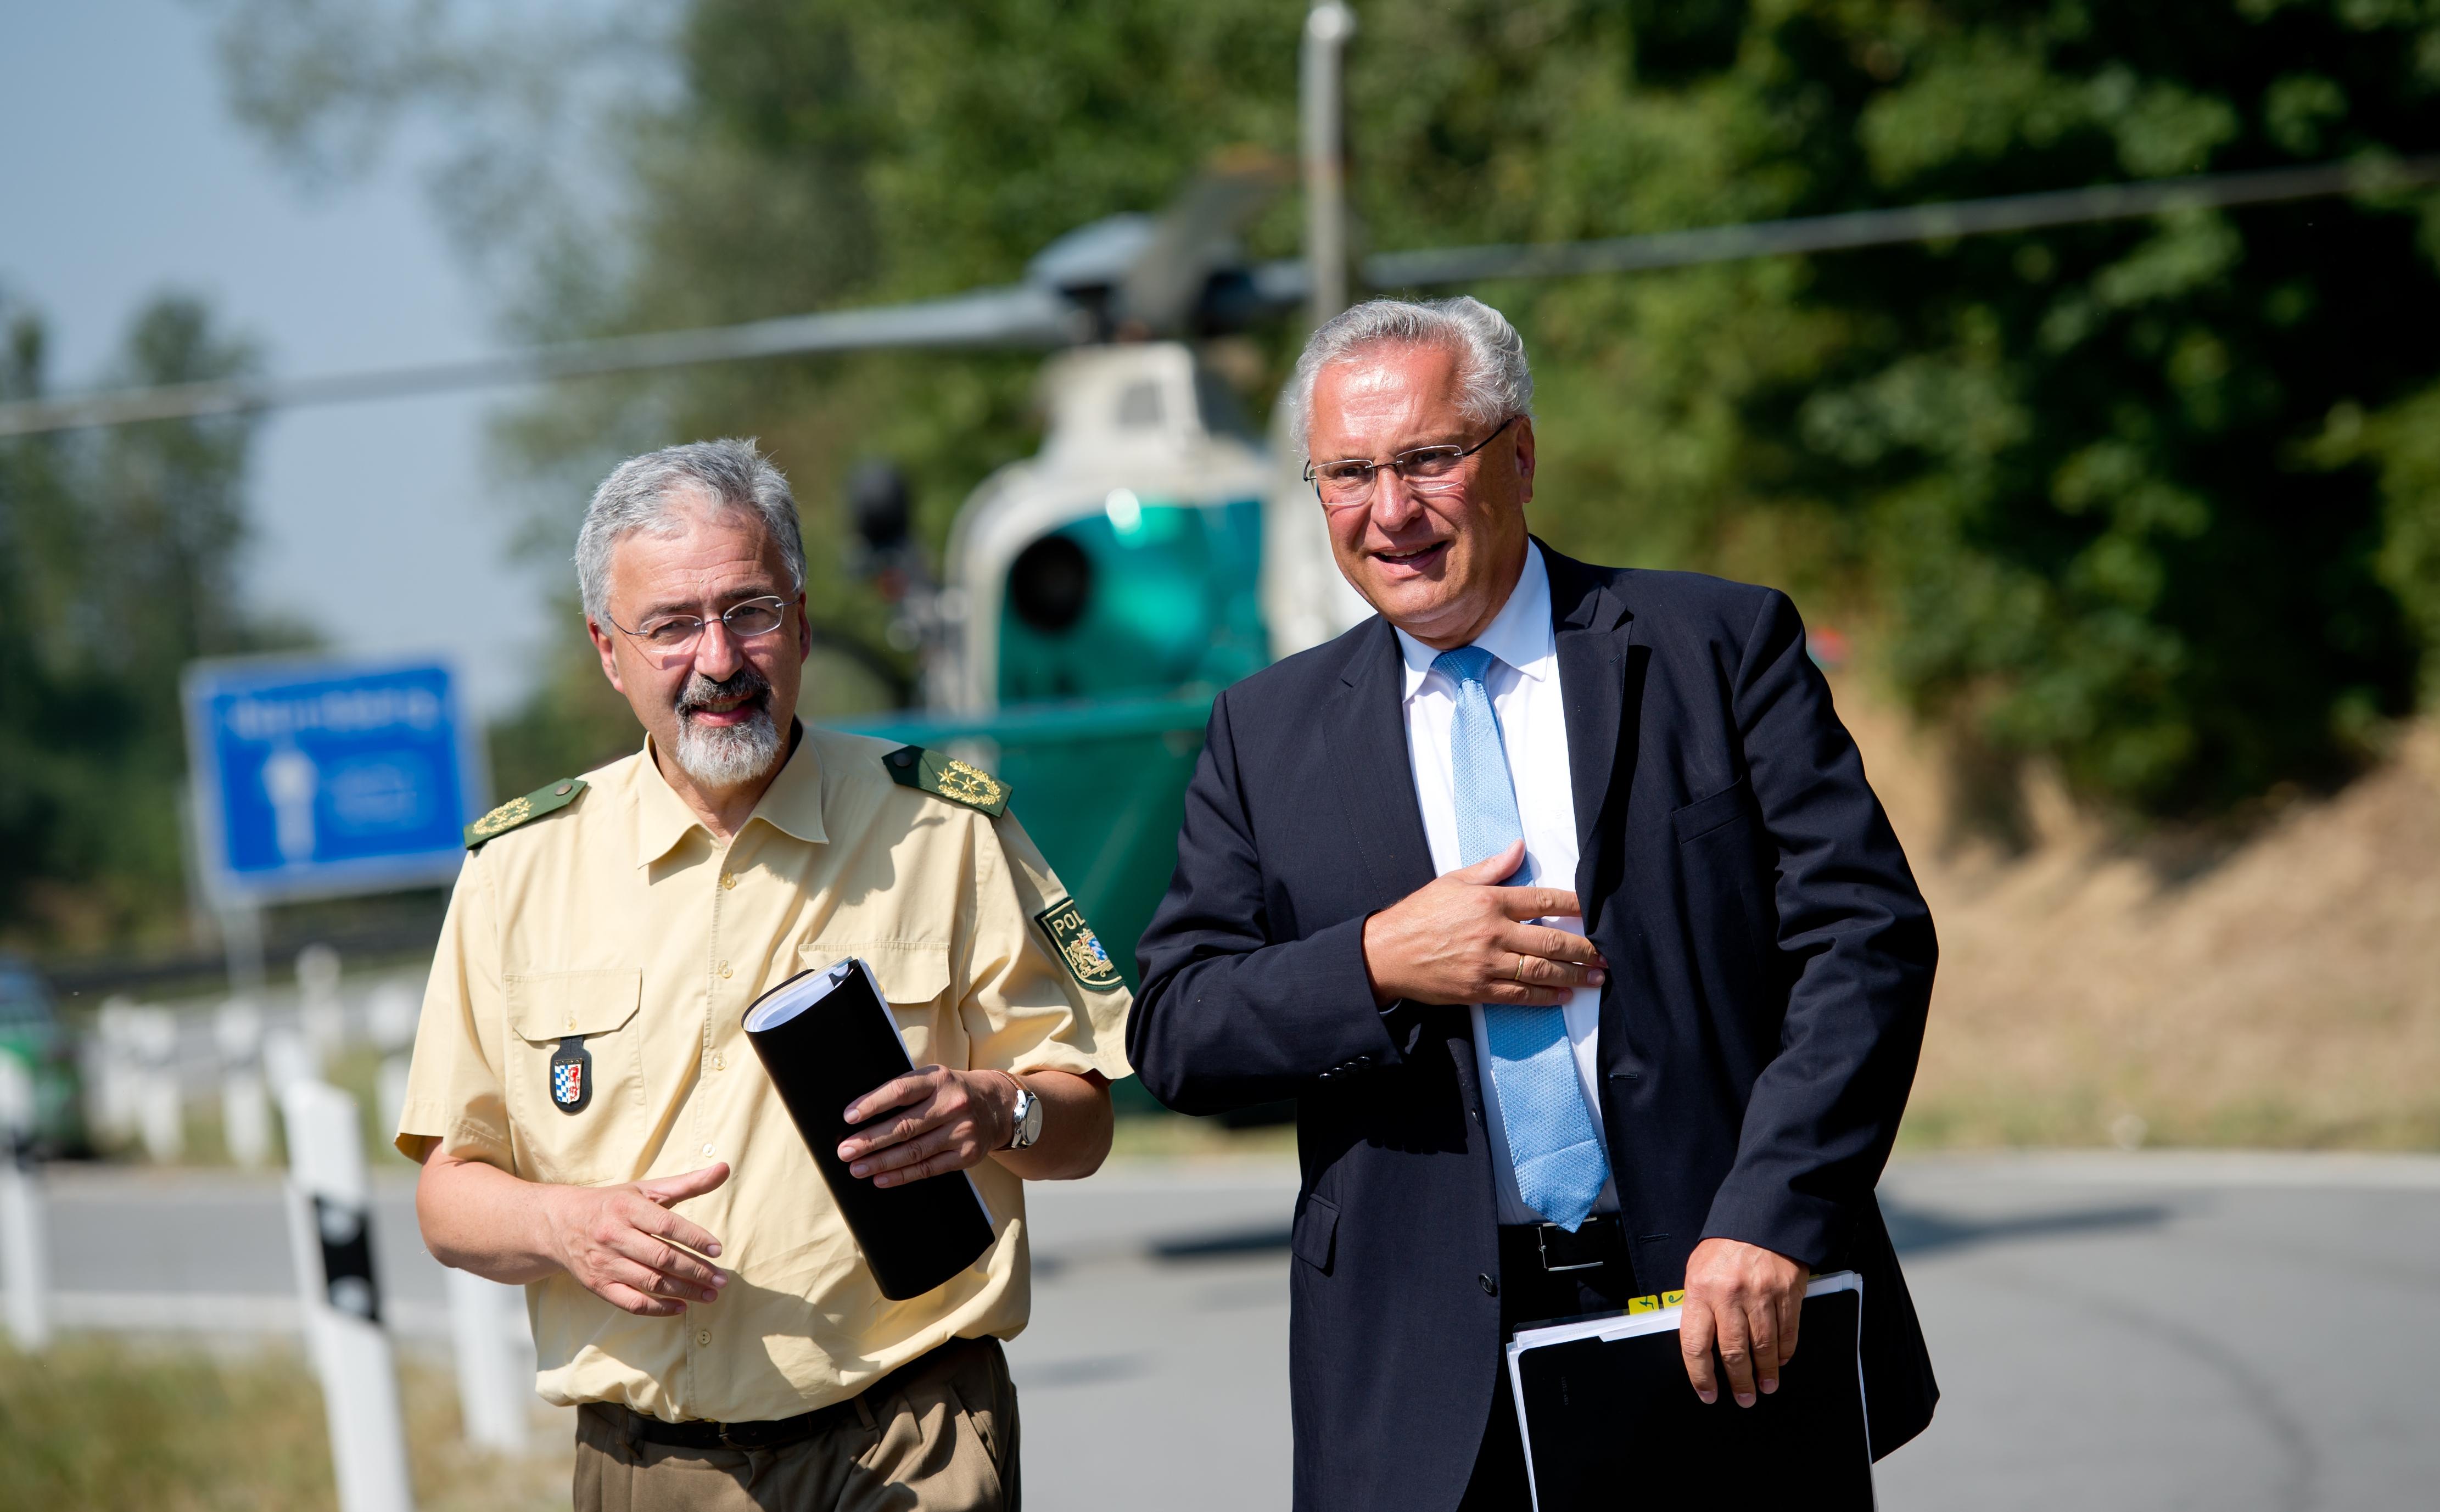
<point>619,920</point>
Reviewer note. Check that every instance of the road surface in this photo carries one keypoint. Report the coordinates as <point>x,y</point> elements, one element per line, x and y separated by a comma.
<point>2150,1331</point>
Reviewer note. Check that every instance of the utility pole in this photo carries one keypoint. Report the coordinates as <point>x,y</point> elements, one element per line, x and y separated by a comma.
<point>1322,102</point>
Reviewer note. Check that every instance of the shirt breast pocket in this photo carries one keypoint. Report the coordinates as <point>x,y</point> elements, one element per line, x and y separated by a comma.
<point>575,1077</point>
<point>914,980</point>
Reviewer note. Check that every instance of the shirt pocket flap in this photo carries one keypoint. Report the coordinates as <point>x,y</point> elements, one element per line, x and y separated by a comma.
<point>1315,1232</point>
<point>545,1005</point>
<point>908,971</point>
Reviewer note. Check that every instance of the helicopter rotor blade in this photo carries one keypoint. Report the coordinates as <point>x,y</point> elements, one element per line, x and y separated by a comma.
<point>1164,287</point>
<point>1020,315</point>
<point>1918,222</point>
<point>1196,238</point>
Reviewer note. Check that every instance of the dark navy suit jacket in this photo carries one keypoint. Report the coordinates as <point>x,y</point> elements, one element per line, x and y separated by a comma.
<point>1771,963</point>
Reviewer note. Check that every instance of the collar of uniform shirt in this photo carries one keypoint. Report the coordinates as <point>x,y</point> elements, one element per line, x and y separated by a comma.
<point>1519,634</point>
<point>792,804</point>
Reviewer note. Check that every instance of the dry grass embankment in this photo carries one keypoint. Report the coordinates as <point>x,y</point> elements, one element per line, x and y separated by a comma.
<point>100,1424</point>
<point>2283,993</point>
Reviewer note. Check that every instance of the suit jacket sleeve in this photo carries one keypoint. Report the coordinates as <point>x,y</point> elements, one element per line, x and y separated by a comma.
<point>1855,932</point>
<point>1230,1014</point>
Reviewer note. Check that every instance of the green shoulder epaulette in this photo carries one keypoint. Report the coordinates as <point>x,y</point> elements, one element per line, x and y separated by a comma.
<point>947,777</point>
<point>548,799</point>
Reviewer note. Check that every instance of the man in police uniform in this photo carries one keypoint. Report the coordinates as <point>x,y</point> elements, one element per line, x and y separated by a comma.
<point>593,1124</point>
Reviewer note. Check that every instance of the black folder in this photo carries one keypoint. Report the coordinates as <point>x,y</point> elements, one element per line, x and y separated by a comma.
<point>1609,1419</point>
<point>827,1038</point>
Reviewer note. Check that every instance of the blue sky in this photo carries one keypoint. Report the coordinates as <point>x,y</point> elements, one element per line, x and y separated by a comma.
<point>123,174</point>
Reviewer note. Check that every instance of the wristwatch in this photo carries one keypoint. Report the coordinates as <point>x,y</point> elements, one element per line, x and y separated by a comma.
<point>1028,1117</point>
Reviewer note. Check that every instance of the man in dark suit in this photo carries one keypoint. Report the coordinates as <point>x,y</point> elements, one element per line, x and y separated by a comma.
<point>1556,897</point>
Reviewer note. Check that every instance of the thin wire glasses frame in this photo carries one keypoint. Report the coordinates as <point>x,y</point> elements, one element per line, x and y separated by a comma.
<point>676,635</point>
<point>1426,469</point>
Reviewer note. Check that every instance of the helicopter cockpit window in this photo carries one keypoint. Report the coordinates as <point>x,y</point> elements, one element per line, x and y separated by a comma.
<point>1051,581</point>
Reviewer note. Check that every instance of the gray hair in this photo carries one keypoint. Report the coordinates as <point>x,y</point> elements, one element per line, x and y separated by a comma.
<point>651,492</point>
<point>1497,385</point>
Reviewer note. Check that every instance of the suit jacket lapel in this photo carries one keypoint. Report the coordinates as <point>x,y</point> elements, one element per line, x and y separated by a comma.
<point>1595,635</point>
<point>1367,736</point>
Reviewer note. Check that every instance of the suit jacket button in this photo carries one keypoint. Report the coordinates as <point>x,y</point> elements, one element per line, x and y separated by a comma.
<point>1490,1286</point>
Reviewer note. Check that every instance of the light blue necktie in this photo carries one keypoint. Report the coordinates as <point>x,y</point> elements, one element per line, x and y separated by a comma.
<point>1551,1141</point>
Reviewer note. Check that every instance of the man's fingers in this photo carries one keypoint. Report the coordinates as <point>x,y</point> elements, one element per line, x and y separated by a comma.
<point>1537,903</point>
<point>1530,995</point>
<point>1543,972</point>
<point>1736,1353</point>
<point>1792,1314</point>
<point>659,1255</point>
<point>667,1189</point>
<point>1762,1333</point>
<point>1492,869</point>
<point>897,1092</point>
<point>627,1299</point>
<point>1542,941</point>
<point>1695,1343</point>
<point>676,1229</point>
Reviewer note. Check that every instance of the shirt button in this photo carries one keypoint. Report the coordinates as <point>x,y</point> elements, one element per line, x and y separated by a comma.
<point>723,968</point>
<point>728,879</point>
<point>703,1336</point>
<point>707,1150</point>
<point>718,1064</point>
<point>1490,1287</point>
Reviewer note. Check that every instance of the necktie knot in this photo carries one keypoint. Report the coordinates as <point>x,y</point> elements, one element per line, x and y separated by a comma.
<point>1466,664</point>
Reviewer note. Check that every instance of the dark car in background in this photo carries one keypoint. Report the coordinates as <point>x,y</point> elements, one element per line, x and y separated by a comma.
<point>31,1032</point>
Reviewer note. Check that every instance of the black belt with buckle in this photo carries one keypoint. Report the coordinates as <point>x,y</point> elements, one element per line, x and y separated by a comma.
<point>1596,1242</point>
<point>697,1434</point>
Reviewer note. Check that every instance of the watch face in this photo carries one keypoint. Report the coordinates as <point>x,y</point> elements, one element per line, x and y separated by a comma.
<point>1029,1123</point>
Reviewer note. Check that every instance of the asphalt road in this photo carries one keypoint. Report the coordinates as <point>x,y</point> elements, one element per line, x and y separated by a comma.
<point>2111,1331</point>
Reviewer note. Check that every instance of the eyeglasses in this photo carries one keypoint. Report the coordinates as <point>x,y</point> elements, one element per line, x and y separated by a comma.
<point>1427,470</point>
<point>674,635</point>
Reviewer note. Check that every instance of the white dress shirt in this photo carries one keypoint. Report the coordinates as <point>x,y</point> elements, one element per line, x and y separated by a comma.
<point>1524,686</point>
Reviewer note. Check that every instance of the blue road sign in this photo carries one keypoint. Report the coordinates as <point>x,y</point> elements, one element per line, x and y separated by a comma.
<point>323,777</point>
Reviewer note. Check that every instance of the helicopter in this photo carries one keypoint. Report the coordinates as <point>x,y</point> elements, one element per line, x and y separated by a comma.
<point>1094,598</point>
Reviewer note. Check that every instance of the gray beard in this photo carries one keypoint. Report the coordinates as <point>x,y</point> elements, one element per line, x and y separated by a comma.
<point>729,756</point>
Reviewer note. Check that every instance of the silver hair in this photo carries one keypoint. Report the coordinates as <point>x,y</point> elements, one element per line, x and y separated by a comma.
<point>652,493</point>
<point>1497,385</point>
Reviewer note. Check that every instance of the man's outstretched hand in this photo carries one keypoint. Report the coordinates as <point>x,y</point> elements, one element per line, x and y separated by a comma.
<point>625,1247</point>
<point>1462,937</point>
<point>1746,1300</point>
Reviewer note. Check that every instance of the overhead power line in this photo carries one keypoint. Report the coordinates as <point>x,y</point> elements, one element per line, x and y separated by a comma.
<point>1037,317</point>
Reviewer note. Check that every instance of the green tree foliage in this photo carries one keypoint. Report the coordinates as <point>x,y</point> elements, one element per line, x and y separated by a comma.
<point>118,556</point>
<point>2148,499</point>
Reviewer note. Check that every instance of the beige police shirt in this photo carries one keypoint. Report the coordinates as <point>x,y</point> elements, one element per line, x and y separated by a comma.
<point>621,919</point>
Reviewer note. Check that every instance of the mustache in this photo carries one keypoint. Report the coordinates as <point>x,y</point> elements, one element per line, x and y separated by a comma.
<point>701,691</point>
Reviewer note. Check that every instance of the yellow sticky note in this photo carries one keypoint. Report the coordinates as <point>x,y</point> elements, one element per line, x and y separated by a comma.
<point>1636,1304</point>
<point>1673,1299</point>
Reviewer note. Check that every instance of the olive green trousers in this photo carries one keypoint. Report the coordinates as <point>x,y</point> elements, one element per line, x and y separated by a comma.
<point>940,1439</point>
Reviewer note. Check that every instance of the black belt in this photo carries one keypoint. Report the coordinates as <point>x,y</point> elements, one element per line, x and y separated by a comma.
<point>1597,1242</point>
<point>696,1433</point>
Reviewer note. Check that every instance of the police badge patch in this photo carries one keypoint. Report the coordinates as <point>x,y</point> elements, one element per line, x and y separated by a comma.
<point>571,1075</point>
<point>1079,949</point>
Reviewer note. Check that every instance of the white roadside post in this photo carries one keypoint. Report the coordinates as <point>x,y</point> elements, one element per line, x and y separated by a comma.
<point>319,1008</point>
<point>161,1110</point>
<point>24,1238</point>
<point>390,1016</point>
<point>495,1367</point>
<point>330,1227</point>
<point>246,1100</point>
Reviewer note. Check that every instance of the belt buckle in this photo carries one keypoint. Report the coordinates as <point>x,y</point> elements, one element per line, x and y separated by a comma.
<point>1542,1238</point>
